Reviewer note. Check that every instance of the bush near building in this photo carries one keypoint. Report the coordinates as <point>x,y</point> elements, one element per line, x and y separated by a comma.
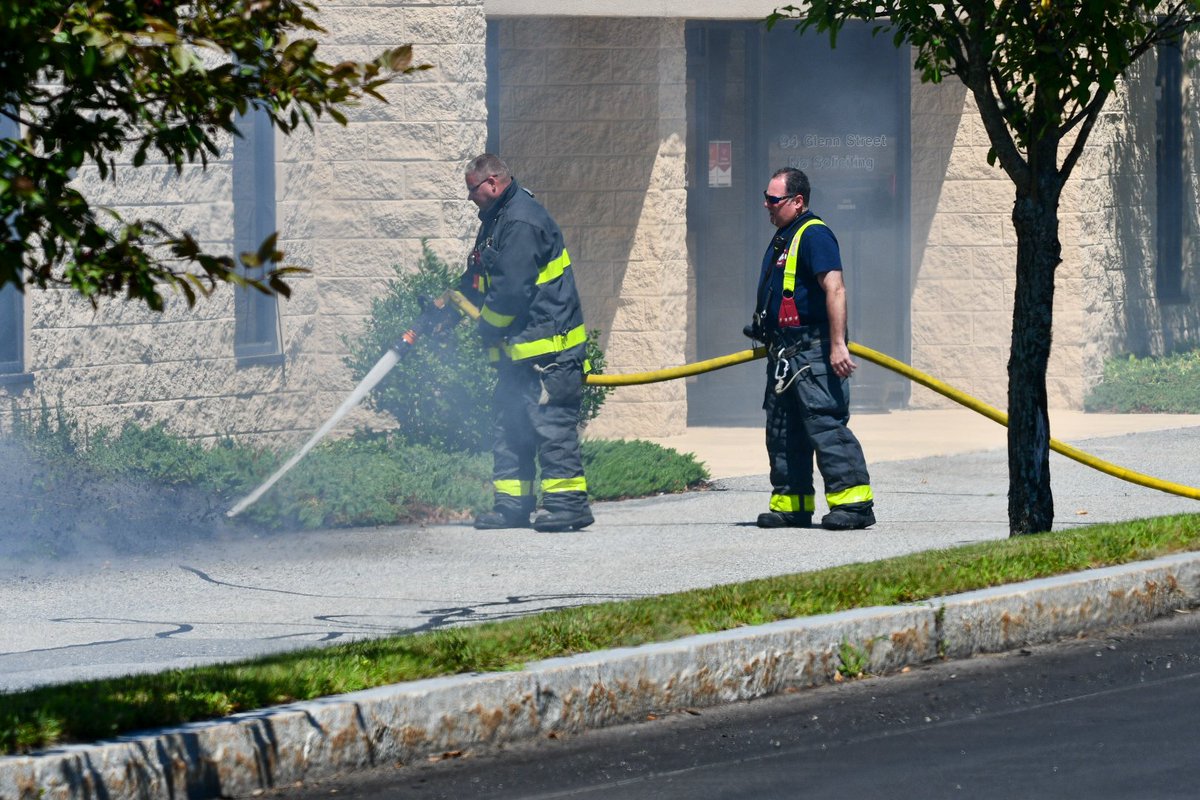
<point>140,490</point>
<point>1151,385</point>
<point>440,392</point>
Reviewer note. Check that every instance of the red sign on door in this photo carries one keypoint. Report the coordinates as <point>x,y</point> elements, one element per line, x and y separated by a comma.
<point>720,164</point>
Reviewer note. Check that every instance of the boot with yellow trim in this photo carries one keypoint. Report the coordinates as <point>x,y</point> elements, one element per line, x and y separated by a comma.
<point>784,519</point>
<point>501,518</point>
<point>850,517</point>
<point>548,521</point>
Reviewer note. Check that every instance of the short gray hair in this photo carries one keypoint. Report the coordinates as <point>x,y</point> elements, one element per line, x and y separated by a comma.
<point>487,165</point>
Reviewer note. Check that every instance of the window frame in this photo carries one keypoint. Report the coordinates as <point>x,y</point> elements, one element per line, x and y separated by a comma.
<point>12,305</point>
<point>1170,220</point>
<point>257,335</point>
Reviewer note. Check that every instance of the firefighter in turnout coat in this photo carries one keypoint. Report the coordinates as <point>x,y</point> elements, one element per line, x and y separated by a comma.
<point>531,323</point>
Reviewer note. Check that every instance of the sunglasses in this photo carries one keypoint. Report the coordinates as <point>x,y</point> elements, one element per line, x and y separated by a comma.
<point>773,200</point>
<point>471,189</point>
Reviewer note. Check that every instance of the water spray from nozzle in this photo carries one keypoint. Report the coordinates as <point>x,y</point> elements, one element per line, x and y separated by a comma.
<point>435,315</point>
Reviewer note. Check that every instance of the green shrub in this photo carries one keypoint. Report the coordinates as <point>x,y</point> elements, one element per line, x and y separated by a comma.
<point>440,393</point>
<point>370,478</point>
<point>163,457</point>
<point>593,396</point>
<point>1153,385</point>
<point>52,433</point>
<point>618,469</point>
<point>376,479</point>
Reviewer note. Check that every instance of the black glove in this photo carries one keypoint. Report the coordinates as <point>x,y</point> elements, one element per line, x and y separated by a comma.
<point>432,319</point>
<point>435,315</point>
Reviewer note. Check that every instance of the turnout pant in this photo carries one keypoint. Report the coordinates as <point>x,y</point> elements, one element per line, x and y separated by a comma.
<point>809,418</point>
<point>536,420</point>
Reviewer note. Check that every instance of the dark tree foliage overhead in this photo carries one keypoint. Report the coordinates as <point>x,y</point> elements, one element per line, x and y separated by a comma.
<point>108,81</point>
<point>1040,72</point>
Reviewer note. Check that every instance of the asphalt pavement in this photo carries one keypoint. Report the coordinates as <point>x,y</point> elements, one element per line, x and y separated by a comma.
<point>265,594</point>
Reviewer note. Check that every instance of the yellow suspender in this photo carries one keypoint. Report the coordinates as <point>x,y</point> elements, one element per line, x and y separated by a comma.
<point>789,270</point>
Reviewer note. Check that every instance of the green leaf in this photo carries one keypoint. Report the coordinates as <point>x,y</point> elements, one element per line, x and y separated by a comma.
<point>140,88</point>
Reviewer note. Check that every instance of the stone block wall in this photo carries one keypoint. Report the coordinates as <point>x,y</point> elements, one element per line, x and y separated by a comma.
<point>592,119</point>
<point>352,203</point>
<point>359,199</point>
<point>964,248</point>
<point>1116,227</point>
<point>1119,210</point>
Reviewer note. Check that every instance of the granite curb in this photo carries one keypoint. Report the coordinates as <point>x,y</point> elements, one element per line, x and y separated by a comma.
<point>273,747</point>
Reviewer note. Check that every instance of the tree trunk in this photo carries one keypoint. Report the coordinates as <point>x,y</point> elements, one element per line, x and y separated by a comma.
<point>1035,219</point>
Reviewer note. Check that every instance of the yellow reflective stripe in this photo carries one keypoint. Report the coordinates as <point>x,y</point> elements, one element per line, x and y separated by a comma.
<point>793,502</point>
<point>513,488</point>
<point>551,344</point>
<point>564,484</point>
<point>493,354</point>
<point>855,494</point>
<point>587,366</point>
<point>789,269</point>
<point>785,502</point>
<point>555,268</point>
<point>496,320</point>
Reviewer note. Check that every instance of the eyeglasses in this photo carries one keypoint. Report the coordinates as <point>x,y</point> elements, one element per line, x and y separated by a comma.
<point>471,189</point>
<point>774,201</point>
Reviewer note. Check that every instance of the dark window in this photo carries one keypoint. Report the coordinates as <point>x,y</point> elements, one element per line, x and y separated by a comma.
<point>492,64</point>
<point>1169,168</point>
<point>12,330</point>
<point>256,339</point>
<point>12,301</point>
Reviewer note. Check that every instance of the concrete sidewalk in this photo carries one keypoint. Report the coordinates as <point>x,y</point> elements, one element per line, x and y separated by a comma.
<point>903,435</point>
<point>262,595</point>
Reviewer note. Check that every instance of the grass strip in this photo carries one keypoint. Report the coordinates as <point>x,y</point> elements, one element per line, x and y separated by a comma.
<point>91,710</point>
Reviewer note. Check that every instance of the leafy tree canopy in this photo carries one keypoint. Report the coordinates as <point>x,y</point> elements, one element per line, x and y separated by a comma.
<point>91,83</point>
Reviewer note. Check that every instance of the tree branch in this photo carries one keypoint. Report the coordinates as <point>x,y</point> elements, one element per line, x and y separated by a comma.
<point>957,33</point>
<point>1089,117</point>
<point>987,88</point>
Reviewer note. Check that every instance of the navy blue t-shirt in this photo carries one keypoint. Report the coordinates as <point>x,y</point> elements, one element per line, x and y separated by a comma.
<point>819,253</point>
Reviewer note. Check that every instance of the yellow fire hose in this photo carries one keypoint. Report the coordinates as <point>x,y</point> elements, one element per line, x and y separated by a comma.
<point>887,362</point>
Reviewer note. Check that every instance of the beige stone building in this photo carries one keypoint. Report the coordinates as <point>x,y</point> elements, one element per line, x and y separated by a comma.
<point>649,130</point>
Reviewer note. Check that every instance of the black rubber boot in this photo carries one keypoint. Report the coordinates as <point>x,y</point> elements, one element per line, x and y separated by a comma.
<point>784,519</point>
<point>558,521</point>
<point>849,518</point>
<point>496,519</point>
